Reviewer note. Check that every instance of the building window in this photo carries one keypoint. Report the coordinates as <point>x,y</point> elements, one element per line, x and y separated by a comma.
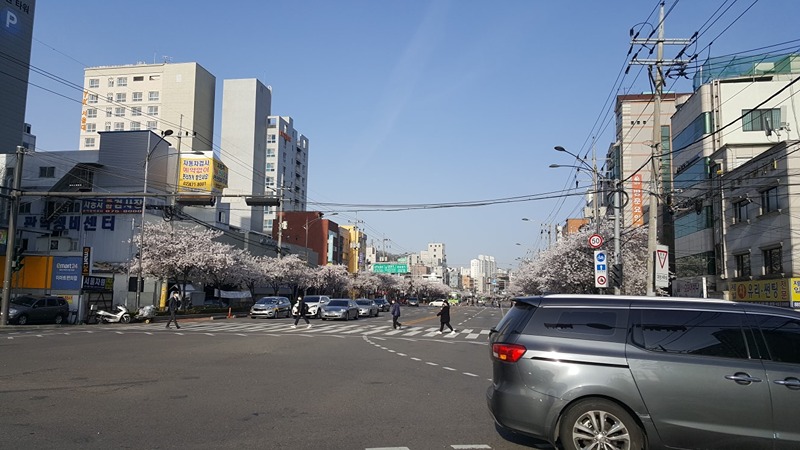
<point>108,126</point>
<point>119,112</point>
<point>270,152</point>
<point>136,111</point>
<point>94,83</point>
<point>110,98</point>
<point>742,265</point>
<point>121,96</point>
<point>761,119</point>
<point>152,96</point>
<point>271,138</point>
<point>110,82</point>
<point>769,200</point>
<point>47,172</point>
<point>136,126</point>
<point>109,112</point>
<point>152,110</point>
<point>269,181</point>
<point>92,98</point>
<point>119,126</point>
<point>91,113</point>
<point>270,167</point>
<point>122,81</point>
<point>136,97</point>
<point>773,261</point>
<point>91,127</point>
<point>152,125</point>
<point>740,211</point>
<point>139,78</point>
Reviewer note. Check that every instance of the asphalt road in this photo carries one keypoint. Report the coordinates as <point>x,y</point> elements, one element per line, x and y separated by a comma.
<point>243,383</point>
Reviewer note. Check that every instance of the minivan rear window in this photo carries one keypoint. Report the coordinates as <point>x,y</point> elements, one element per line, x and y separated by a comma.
<point>515,319</point>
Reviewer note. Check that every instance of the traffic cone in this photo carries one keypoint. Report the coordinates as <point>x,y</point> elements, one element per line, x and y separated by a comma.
<point>230,316</point>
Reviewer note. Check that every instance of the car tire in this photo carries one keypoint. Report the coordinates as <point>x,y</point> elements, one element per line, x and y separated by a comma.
<point>582,416</point>
<point>59,319</point>
<point>22,320</point>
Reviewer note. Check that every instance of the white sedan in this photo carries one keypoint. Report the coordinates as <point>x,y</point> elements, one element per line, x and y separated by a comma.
<point>439,303</point>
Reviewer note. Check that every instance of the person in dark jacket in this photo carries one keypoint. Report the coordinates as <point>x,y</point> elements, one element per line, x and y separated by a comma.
<point>444,318</point>
<point>299,311</point>
<point>395,311</point>
<point>172,306</point>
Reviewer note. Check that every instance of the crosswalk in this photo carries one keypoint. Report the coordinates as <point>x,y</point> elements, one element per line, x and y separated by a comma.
<point>317,328</point>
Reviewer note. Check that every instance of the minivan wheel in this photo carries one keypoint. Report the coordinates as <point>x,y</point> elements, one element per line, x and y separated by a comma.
<point>59,319</point>
<point>22,320</point>
<point>599,424</point>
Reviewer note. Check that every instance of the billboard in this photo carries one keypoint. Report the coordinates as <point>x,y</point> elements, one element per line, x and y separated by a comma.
<point>202,174</point>
<point>777,292</point>
<point>16,34</point>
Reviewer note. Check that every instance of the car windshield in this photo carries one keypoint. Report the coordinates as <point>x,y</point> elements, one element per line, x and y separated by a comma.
<point>364,302</point>
<point>25,301</point>
<point>267,301</point>
<point>311,299</point>
<point>338,303</point>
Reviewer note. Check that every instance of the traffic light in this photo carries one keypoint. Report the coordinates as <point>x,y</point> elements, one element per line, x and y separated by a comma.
<point>615,275</point>
<point>17,263</point>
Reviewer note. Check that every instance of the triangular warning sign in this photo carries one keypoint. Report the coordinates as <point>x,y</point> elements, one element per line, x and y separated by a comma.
<point>662,257</point>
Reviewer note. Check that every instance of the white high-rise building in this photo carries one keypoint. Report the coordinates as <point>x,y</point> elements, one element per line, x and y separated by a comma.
<point>481,270</point>
<point>246,105</point>
<point>156,97</point>
<point>286,166</point>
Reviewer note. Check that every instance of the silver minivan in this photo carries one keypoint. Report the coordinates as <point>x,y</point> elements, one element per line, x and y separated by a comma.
<point>613,372</point>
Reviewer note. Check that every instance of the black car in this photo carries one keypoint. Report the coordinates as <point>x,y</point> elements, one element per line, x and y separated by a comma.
<point>383,304</point>
<point>27,309</point>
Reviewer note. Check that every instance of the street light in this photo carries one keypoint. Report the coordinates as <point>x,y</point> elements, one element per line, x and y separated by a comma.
<point>306,228</point>
<point>150,151</point>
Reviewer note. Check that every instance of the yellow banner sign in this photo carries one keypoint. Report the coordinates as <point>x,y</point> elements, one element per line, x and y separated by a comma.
<point>778,290</point>
<point>202,174</point>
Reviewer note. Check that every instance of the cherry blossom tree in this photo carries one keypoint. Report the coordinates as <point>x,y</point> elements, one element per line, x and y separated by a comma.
<point>290,271</point>
<point>332,279</point>
<point>173,253</point>
<point>251,272</point>
<point>221,266</point>
<point>433,289</point>
<point>568,265</point>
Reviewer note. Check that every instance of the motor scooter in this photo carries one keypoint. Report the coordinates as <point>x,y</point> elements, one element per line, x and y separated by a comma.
<point>145,314</point>
<point>120,315</point>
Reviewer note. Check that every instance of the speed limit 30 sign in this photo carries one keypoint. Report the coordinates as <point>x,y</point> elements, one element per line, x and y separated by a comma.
<point>595,240</point>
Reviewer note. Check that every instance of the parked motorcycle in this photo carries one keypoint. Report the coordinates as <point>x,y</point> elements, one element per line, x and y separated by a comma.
<point>120,314</point>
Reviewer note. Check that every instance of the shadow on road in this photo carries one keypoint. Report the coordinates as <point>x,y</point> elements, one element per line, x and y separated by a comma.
<point>520,439</point>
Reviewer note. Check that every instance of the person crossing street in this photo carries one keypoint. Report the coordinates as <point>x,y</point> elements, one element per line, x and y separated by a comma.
<point>444,317</point>
<point>395,311</point>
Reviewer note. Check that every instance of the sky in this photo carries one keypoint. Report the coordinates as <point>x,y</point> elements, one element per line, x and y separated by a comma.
<point>429,121</point>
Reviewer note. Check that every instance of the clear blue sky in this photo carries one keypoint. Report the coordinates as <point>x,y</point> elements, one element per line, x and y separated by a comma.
<point>407,102</point>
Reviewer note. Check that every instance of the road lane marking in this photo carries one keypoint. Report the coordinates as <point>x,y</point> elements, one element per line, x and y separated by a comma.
<point>469,374</point>
<point>469,446</point>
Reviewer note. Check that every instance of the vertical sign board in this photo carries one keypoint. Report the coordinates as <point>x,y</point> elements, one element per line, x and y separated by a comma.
<point>16,35</point>
<point>600,269</point>
<point>66,273</point>
<point>662,266</point>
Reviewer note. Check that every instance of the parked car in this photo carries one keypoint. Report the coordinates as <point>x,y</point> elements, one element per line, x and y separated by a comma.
<point>367,307</point>
<point>273,307</point>
<point>438,303</point>
<point>413,301</point>
<point>26,309</point>
<point>481,302</point>
<point>595,371</point>
<point>314,302</point>
<point>383,304</point>
<point>339,308</point>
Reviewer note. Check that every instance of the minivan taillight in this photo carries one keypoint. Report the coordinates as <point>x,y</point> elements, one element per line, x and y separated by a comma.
<point>508,352</point>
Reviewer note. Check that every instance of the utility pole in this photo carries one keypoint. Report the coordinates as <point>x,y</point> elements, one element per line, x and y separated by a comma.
<point>11,239</point>
<point>655,152</point>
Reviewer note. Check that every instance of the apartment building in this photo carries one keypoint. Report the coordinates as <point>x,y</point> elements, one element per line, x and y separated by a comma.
<point>154,97</point>
<point>286,166</point>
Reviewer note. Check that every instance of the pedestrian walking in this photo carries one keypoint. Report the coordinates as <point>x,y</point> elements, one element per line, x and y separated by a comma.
<point>395,310</point>
<point>444,318</point>
<point>172,306</point>
<point>300,310</point>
